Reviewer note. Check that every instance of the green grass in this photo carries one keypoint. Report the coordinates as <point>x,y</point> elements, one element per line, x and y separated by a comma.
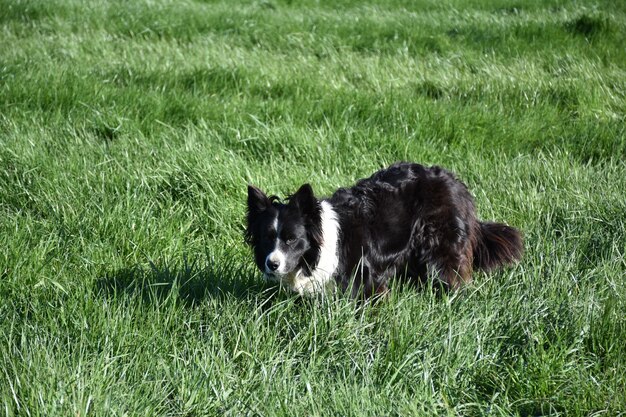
<point>128,133</point>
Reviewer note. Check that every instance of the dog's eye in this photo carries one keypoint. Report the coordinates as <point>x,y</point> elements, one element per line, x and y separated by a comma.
<point>291,241</point>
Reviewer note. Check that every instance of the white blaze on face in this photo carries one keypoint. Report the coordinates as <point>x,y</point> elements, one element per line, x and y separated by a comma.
<point>276,256</point>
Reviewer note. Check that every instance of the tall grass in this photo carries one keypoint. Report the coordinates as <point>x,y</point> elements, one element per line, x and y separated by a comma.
<point>128,133</point>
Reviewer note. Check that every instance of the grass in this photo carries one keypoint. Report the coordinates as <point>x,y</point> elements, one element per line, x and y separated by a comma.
<point>128,133</point>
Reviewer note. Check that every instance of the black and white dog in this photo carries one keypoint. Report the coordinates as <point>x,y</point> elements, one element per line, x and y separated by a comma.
<point>406,221</point>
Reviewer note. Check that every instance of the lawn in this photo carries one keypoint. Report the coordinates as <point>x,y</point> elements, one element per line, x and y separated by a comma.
<point>128,133</point>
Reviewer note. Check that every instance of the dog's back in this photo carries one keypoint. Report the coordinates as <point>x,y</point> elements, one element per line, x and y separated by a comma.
<point>412,221</point>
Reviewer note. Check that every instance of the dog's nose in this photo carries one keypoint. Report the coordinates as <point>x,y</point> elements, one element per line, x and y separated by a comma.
<point>272,265</point>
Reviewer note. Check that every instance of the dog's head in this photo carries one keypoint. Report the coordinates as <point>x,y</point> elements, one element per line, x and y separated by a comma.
<point>286,238</point>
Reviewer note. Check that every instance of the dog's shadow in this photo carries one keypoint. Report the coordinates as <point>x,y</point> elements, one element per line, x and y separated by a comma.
<point>188,281</point>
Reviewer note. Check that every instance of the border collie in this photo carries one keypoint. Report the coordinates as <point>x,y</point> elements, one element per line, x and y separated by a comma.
<point>406,221</point>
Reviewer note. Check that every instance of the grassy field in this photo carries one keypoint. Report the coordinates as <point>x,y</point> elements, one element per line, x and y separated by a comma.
<point>128,133</point>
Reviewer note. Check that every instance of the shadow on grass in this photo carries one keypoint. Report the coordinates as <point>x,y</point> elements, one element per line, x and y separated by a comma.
<point>189,282</point>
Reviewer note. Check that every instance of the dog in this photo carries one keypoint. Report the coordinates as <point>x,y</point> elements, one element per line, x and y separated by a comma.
<point>406,221</point>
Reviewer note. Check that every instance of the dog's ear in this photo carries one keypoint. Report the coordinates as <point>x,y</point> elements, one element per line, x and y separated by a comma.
<point>303,198</point>
<point>257,200</point>
<point>310,208</point>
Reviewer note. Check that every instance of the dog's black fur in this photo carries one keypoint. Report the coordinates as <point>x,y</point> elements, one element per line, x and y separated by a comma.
<point>406,221</point>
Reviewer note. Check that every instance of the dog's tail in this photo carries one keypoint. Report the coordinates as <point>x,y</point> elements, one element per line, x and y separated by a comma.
<point>497,245</point>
